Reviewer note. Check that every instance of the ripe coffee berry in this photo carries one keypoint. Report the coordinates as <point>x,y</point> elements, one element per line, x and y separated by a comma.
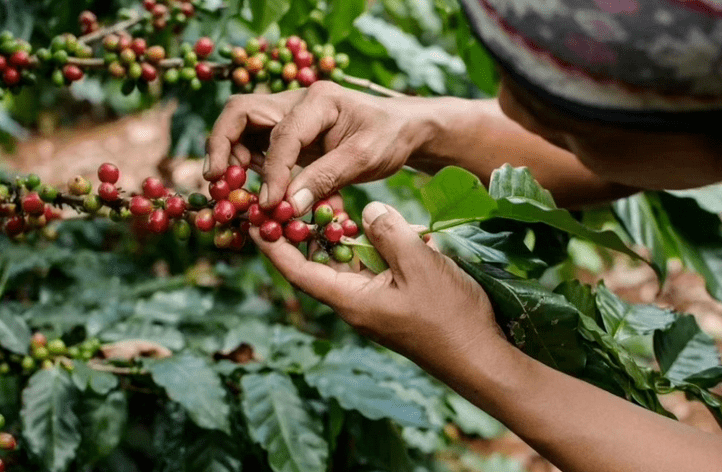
<point>271,231</point>
<point>306,77</point>
<point>333,232</point>
<point>350,228</point>
<point>155,54</point>
<point>304,59</point>
<point>149,5</point>
<point>342,253</point>
<point>158,221</point>
<point>219,189</point>
<point>224,211</point>
<point>223,238</point>
<point>140,206</point>
<point>33,204</point>
<point>289,72</point>
<point>7,442</point>
<point>188,9</point>
<point>14,226</point>
<point>159,11</point>
<point>87,17</point>
<point>241,77</point>
<point>204,47</point>
<point>38,340</point>
<point>108,173</point>
<point>283,212</point>
<point>72,72</point>
<point>241,199</point>
<point>327,64</point>
<point>239,239</point>
<point>11,76</point>
<point>204,220</point>
<point>323,215</point>
<point>235,176</point>
<point>204,71</point>
<point>20,59</point>
<point>239,56</point>
<point>148,72</point>
<point>294,44</point>
<point>256,216</point>
<point>153,188</point>
<point>340,216</point>
<point>108,192</point>
<point>139,46</point>
<point>296,231</point>
<point>175,206</point>
<point>117,70</point>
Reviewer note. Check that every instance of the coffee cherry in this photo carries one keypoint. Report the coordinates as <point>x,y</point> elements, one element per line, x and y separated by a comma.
<point>171,76</point>
<point>219,189</point>
<point>79,186</point>
<point>321,257</point>
<point>155,54</point>
<point>14,226</point>
<point>139,46</point>
<point>290,71</point>
<point>47,193</point>
<point>339,215</point>
<point>271,231</point>
<point>338,76</point>
<point>108,173</point>
<point>140,206</point>
<point>262,44</point>
<point>204,220</point>
<point>153,188</point>
<point>159,11</point>
<point>241,77</point>
<point>33,204</point>
<point>2,421</point>
<point>323,214</point>
<point>188,9</point>
<point>204,47</point>
<point>20,59</point>
<point>303,59</point>
<point>182,230</point>
<point>306,77</point>
<point>342,253</point>
<point>223,238</point>
<point>32,181</point>
<point>11,76</point>
<point>56,347</point>
<point>148,72</point>
<point>92,203</point>
<point>239,239</point>
<point>38,340</point>
<point>158,221</point>
<point>350,228</point>
<point>254,65</point>
<point>204,71</point>
<point>108,192</point>
<point>175,206</point>
<point>283,212</point>
<point>117,70</point>
<point>327,64</point>
<point>294,44</point>
<point>72,72</point>
<point>239,56</point>
<point>224,211</point>
<point>235,176</point>
<point>256,215</point>
<point>127,56</point>
<point>296,231</point>
<point>241,199</point>
<point>333,232</point>
<point>7,440</point>
<point>87,17</point>
<point>253,46</point>
<point>149,5</point>
<point>197,200</point>
<point>342,60</point>
<point>110,42</point>
<point>40,353</point>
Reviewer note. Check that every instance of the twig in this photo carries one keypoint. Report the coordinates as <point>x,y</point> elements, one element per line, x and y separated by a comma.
<point>102,32</point>
<point>374,87</point>
<point>99,366</point>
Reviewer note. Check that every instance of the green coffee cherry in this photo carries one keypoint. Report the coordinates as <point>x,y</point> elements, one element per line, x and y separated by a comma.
<point>274,67</point>
<point>4,368</point>
<point>197,200</point>
<point>4,193</point>
<point>48,193</point>
<point>92,203</point>
<point>28,363</point>
<point>60,57</point>
<point>278,85</point>
<point>195,84</point>
<point>73,352</point>
<point>171,76</point>
<point>225,51</point>
<point>190,59</point>
<point>285,55</point>
<point>41,353</point>
<point>32,181</point>
<point>182,230</point>
<point>342,253</point>
<point>2,421</point>
<point>58,78</point>
<point>293,85</point>
<point>135,71</point>
<point>44,55</point>
<point>338,75</point>
<point>57,347</point>
<point>321,257</point>
<point>323,215</point>
<point>342,60</point>
<point>253,46</point>
<point>187,74</point>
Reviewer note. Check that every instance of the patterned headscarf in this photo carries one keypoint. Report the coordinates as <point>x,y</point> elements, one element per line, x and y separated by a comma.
<point>653,64</point>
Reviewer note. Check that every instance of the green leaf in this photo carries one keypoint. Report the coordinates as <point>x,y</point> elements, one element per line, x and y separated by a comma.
<point>341,16</point>
<point>135,328</point>
<point>580,295</point>
<point>708,198</point>
<point>98,381</point>
<point>456,195</point>
<point>266,12</point>
<point>708,378</point>
<point>278,421</point>
<point>622,319</point>
<point>510,182</point>
<point>50,426</point>
<point>683,350</point>
<point>367,253</point>
<point>103,420</point>
<point>14,333</point>
<point>211,451</point>
<point>379,444</point>
<point>363,380</point>
<point>542,323</point>
<point>471,420</point>
<point>190,381</point>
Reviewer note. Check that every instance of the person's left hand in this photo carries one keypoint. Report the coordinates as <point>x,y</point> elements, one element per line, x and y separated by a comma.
<point>424,306</point>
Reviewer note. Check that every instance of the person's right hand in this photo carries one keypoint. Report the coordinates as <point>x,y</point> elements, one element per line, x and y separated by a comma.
<point>339,135</point>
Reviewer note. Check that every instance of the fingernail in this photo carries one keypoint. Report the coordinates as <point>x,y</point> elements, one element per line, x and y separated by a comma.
<point>263,195</point>
<point>302,200</point>
<point>206,164</point>
<point>372,211</point>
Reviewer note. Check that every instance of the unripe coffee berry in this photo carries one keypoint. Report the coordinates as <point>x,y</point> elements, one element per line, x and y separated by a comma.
<point>204,47</point>
<point>140,206</point>
<point>333,232</point>
<point>224,211</point>
<point>33,204</point>
<point>271,231</point>
<point>197,200</point>
<point>239,56</point>
<point>283,212</point>
<point>254,65</point>
<point>253,46</point>
<point>327,64</point>
<point>223,238</point>
<point>32,181</point>
<point>204,220</point>
<point>289,72</point>
<point>171,76</point>
<point>56,347</point>
<point>256,215</point>
<point>219,189</point>
<point>320,256</point>
<point>350,228</point>
<point>7,440</point>
<point>110,42</point>
<point>241,77</point>
<point>79,186</point>
<point>108,173</point>
<point>127,56</point>
<point>342,60</point>
<point>323,214</point>
<point>182,230</point>
<point>342,253</point>
<point>296,231</point>
<point>204,71</point>
<point>241,199</point>
<point>117,70</point>
<point>38,340</point>
<point>155,54</point>
<point>158,221</point>
<point>108,192</point>
<point>235,176</point>
<point>92,203</point>
<point>175,206</point>
<point>153,188</point>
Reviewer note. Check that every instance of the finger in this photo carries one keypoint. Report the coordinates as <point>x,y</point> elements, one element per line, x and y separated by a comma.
<point>299,128</point>
<point>226,132</point>
<point>397,242</point>
<point>241,155</point>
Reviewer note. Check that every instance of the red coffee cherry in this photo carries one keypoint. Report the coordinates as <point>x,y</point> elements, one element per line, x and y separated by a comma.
<point>87,17</point>
<point>140,206</point>
<point>204,220</point>
<point>296,231</point>
<point>224,211</point>
<point>333,232</point>
<point>204,47</point>
<point>159,11</point>
<point>306,77</point>
<point>294,44</point>
<point>153,188</point>
<point>241,199</point>
<point>204,71</point>
<point>139,46</point>
<point>15,226</point>
<point>340,215</point>
<point>188,9</point>
<point>303,59</point>
<point>149,5</point>
<point>271,231</point>
<point>155,54</point>
<point>108,192</point>
<point>219,189</point>
<point>235,176</point>
<point>11,76</point>
<point>38,340</point>
<point>158,221</point>
<point>283,212</point>
<point>3,63</point>
<point>72,72</point>
<point>238,241</point>
<point>175,206</point>
<point>148,72</point>
<point>108,173</point>
<point>262,44</point>
<point>350,228</point>
<point>20,59</point>
<point>7,441</point>
<point>256,216</point>
<point>32,204</point>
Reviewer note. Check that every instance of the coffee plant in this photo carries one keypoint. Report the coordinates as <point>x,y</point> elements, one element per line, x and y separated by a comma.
<point>139,330</point>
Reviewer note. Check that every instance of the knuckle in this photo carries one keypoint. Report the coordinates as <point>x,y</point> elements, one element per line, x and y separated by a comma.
<point>322,88</point>
<point>384,225</point>
<point>325,181</point>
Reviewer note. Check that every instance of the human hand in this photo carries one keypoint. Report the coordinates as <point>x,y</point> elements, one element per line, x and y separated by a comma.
<point>340,136</point>
<point>424,306</point>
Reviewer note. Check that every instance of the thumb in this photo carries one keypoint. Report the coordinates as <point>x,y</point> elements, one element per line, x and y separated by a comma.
<point>397,242</point>
<point>320,179</point>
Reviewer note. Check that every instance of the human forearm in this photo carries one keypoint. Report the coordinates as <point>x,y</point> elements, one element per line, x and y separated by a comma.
<point>577,426</point>
<point>476,135</point>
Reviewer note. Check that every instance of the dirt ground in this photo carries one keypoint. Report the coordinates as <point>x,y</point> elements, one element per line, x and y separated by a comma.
<point>139,145</point>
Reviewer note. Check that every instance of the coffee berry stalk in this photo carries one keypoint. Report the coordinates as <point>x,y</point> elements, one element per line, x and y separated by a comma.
<point>228,211</point>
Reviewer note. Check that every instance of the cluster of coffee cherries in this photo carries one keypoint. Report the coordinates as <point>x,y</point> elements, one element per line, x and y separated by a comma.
<point>160,14</point>
<point>15,62</point>
<point>44,354</point>
<point>25,205</point>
